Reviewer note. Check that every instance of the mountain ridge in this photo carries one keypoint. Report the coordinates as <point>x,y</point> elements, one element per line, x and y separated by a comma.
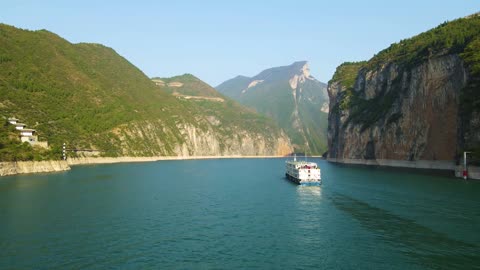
<point>88,96</point>
<point>290,96</point>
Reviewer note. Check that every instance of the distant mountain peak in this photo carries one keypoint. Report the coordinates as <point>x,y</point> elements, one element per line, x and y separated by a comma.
<point>300,63</point>
<point>302,67</point>
<point>306,70</point>
<point>303,74</point>
<point>292,97</point>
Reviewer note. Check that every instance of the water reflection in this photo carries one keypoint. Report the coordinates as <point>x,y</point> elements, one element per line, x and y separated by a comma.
<point>307,217</point>
<point>16,183</point>
<point>309,192</point>
<point>430,248</point>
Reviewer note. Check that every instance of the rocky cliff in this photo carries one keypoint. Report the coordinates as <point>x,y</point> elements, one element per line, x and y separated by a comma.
<point>291,96</point>
<point>21,167</point>
<point>208,137</point>
<point>413,101</point>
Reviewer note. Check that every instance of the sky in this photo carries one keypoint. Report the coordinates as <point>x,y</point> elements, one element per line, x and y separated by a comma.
<point>218,40</point>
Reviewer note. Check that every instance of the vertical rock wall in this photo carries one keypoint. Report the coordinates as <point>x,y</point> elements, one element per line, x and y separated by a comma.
<point>407,114</point>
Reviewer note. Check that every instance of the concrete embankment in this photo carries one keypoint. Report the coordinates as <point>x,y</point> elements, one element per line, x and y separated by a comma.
<point>473,172</point>
<point>419,164</point>
<point>449,165</point>
<point>21,167</point>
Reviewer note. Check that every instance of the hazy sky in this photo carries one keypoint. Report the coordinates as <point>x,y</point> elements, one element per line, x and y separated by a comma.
<point>217,40</point>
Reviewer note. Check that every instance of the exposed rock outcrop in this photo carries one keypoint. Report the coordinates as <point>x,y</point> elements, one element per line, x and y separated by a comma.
<point>292,97</point>
<point>21,167</point>
<point>301,77</point>
<point>417,101</point>
<point>206,139</point>
<point>253,83</point>
<point>420,118</point>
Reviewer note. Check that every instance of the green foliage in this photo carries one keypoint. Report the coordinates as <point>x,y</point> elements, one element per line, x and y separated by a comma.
<point>89,97</point>
<point>347,73</point>
<point>233,87</point>
<point>447,38</point>
<point>362,111</point>
<point>470,97</point>
<point>300,116</point>
<point>367,112</point>
<point>349,99</point>
<point>274,99</point>
<point>4,59</point>
<point>192,86</point>
<point>460,37</point>
<point>11,149</point>
<point>471,55</point>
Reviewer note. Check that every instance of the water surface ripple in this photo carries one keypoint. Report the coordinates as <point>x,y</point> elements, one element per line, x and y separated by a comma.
<point>230,214</point>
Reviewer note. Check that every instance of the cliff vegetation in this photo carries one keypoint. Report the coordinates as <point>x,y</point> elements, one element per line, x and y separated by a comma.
<point>291,97</point>
<point>92,98</point>
<point>11,149</point>
<point>434,75</point>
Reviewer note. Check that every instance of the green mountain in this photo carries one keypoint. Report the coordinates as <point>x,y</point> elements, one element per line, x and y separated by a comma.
<point>92,98</point>
<point>292,97</point>
<point>186,84</point>
<point>418,99</point>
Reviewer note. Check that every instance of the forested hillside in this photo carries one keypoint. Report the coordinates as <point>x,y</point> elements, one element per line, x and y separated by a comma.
<point>92,98</point>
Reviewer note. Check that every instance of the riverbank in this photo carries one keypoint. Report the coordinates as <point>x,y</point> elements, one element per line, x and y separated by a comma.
<point>109,160</point>
<point>448,165</point>
<point>24,167</point>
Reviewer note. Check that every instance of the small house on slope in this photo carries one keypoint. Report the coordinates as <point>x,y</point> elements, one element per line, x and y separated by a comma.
<point>27,134</point>
<point>30,136</point>
<point>20,126</point>
<point>13,120</point>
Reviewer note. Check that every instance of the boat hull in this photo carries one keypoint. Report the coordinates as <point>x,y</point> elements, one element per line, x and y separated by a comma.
<point>303,182</point>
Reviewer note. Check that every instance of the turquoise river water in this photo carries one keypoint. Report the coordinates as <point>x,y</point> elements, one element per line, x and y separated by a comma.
<point>237,214</point>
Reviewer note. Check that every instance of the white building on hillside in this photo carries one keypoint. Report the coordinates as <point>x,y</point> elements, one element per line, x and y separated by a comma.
<point>27,132</point>
<point>13,120</point>
<point>20,126</point>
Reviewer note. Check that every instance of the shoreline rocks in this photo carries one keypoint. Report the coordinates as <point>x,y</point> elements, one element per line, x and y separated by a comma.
<point>24,167</point>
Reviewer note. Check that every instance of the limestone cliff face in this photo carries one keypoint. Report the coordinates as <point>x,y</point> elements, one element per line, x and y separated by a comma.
<point>401,113</point>
<point>205,138</point>
<point>20,167</point>
<point>208,143</point>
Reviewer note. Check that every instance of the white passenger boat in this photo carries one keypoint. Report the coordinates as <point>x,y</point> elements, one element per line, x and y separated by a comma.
<point>303,172</point>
